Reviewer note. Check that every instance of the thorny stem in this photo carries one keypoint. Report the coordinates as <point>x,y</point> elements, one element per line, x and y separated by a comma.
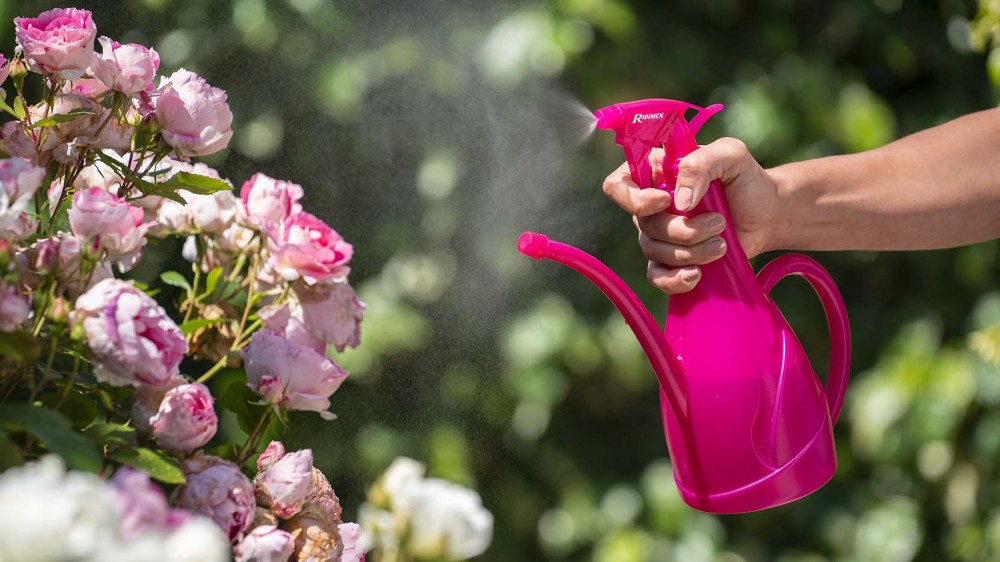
<point>111,113</point>
<point>244,338</point>
<point>251,443</point>
<point>50,100</point>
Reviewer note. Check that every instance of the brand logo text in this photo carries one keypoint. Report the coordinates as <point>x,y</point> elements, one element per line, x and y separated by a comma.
<point>640,117</point>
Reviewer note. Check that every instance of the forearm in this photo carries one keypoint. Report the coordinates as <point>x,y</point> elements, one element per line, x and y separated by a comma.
<point>935,189</point>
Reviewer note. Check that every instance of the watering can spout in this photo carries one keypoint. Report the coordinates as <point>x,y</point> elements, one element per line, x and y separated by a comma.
<point>664,362</point>
<point>533,245</point>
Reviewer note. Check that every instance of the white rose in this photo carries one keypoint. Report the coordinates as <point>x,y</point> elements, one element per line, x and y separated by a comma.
<point>51,514</point>
<point>445,520</point>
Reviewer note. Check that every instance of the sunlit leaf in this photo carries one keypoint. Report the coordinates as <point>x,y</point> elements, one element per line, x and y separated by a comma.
<point>175,279</point>
<point>157,465</point>
<point>62,117</point>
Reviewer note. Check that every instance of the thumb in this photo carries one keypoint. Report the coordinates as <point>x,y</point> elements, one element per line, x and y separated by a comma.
<point>724,159</point>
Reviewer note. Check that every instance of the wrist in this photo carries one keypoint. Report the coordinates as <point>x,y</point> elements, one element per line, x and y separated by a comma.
<point>784,231</point>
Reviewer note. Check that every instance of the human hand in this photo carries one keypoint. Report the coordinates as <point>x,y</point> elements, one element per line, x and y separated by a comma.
<point>677,245</point>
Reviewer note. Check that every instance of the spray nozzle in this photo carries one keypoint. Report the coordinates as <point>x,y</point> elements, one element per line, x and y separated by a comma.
<point>640,126</point>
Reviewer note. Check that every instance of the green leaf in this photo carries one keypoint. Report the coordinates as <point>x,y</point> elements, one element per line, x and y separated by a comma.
<point>7,108</point>
<point>79,408</point>
<point>157,465</point>
<point>20,346</point>
<point>110,434</point>
<point>195,183</point>
<point>175,279</point>
<point>55,432</point>
<point>119,167</point>
<point>19,110</point>
<point>197,323</point>
<point>211,280</point>
<point>62,117</point>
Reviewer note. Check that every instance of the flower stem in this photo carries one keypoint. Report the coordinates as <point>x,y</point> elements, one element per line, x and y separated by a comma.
<point>251,443</point>
<point>215,369</point>
<point>193,295</point>
<point>252,278</point>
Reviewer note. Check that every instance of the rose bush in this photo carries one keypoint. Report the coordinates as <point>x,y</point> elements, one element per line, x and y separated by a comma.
<point>171,387</point>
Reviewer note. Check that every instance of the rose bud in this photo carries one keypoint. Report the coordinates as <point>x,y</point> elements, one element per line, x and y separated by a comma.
<point>215,487</point>
<point>185,420</point>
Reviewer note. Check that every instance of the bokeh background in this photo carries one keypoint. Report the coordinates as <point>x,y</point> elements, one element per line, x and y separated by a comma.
<point>431,133</point>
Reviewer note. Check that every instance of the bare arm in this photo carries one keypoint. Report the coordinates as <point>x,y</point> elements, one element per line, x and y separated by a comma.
<point>938,188</point>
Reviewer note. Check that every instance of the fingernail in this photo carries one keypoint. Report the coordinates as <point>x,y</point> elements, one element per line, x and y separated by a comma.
<point>689,275</point>
<point>684,197</point>
<point>716,247</point>
<point>717,224</point>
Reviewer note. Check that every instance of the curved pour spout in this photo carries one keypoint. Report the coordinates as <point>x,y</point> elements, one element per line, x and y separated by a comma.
<point>646,330</point>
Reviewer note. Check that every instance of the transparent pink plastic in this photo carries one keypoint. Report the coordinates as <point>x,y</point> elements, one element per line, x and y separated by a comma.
<point>749,425</point>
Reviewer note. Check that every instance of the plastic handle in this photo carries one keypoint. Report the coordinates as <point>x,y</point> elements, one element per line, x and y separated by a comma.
<point>836,318</point>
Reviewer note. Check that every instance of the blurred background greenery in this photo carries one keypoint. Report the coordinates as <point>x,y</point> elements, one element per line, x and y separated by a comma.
<point>431,133</point>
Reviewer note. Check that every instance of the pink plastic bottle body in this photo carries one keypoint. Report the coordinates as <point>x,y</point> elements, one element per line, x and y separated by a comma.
<point>762,421</point>
<point>748,422</point>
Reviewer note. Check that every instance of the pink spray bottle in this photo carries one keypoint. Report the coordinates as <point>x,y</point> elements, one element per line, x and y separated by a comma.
<point>749,425</point>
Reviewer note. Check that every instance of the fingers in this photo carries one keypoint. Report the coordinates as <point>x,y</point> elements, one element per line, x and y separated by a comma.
<point>685,231</point>
<point>672,281</point>
<point>620,188</point>
<point>723,160</point>
<point>674,255</point>
<point>676,245</point>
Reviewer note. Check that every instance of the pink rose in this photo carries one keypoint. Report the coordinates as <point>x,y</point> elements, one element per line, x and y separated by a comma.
<point>284,485</point>
<point>330,311</point>
<point>67,140</point>
<point>318,315</point>
<point>15,142</point>
<point>131,339</point>
<point>194,116</point>
<point>59,41</point>
<point>186,419</point>
<point>15,308</point>
<point>267,200</point>
<point>266,543</point>
<point>304,246</point>
<point>354,550</point>
<point>210,214</point>
<point>215,487</point>
<point>272,454</point>
<point>110,223</point>
<point>61,253</point>
<point>278,320</point>
<point>19,181</point>
<point>4,69</point>
<point>128,68</point>
<point>290,375</point>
